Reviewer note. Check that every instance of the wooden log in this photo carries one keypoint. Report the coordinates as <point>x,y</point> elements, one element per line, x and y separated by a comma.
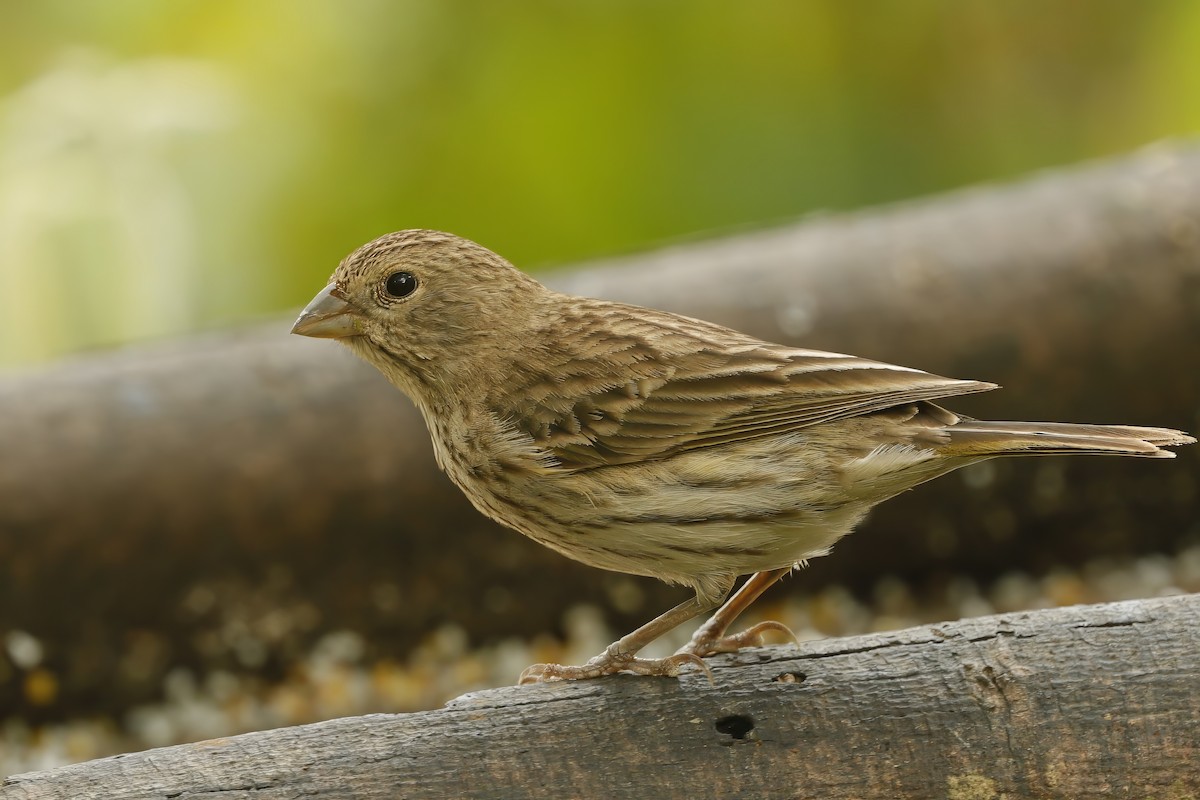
<point>1081,702</point>
<point>253,471</point>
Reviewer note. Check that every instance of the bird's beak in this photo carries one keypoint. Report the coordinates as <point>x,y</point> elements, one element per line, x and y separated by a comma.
<point>328,316</point>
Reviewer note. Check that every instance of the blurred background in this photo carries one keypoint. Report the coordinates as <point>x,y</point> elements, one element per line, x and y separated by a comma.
<point>175,167</point>
<point>166,167</point>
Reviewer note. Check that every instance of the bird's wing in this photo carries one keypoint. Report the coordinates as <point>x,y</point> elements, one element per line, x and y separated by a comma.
<point>628,398</point>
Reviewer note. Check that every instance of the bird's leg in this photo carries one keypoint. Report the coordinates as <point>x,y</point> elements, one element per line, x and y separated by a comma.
<point>710,637</point>
<point>620,655</point>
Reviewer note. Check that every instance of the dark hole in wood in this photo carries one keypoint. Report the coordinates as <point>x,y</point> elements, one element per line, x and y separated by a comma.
<point>736,725</point>
<point>791,677</point>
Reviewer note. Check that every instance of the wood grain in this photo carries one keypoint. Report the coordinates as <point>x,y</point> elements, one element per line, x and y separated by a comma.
<point>1081,702</point>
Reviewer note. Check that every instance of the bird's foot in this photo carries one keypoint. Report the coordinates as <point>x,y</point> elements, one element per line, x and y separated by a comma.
<point>707,641</point>
<point>610,662</point>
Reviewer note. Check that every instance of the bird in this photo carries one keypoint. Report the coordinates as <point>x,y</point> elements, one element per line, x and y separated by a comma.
<point>650,443</point>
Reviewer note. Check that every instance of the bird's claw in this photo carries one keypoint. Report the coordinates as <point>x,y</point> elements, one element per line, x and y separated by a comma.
<point>610,663</point>
<point>708,642</point>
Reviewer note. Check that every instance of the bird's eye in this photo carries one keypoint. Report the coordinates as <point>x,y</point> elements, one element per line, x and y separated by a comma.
<point>400,284</point>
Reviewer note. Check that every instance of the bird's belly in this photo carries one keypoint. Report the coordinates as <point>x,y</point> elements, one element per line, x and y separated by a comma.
<point>691,519</point>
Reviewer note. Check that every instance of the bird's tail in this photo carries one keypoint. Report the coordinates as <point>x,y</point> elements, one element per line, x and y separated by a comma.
<point>973,438</point>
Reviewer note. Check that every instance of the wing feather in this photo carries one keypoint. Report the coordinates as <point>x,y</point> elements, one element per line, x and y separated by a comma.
<point>672,385</point>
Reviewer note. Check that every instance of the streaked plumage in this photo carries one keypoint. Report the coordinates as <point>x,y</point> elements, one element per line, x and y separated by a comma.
<point>650,443</point>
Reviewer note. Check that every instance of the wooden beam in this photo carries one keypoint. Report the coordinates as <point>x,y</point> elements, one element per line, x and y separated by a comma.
<point>1088,701</point>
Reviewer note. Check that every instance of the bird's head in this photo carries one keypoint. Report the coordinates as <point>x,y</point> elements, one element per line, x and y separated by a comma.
<point>423,306</point>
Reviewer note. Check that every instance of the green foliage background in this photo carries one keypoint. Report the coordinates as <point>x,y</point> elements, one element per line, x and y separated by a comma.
<point>169,166</point>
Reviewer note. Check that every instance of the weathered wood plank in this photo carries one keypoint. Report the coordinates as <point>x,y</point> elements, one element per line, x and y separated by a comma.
<point>1082,702</point>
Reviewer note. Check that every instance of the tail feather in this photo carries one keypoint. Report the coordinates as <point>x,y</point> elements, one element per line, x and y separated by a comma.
<point>982,438</point>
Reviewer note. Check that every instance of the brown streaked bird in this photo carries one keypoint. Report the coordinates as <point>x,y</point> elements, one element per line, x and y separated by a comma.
<point>650,443</point>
